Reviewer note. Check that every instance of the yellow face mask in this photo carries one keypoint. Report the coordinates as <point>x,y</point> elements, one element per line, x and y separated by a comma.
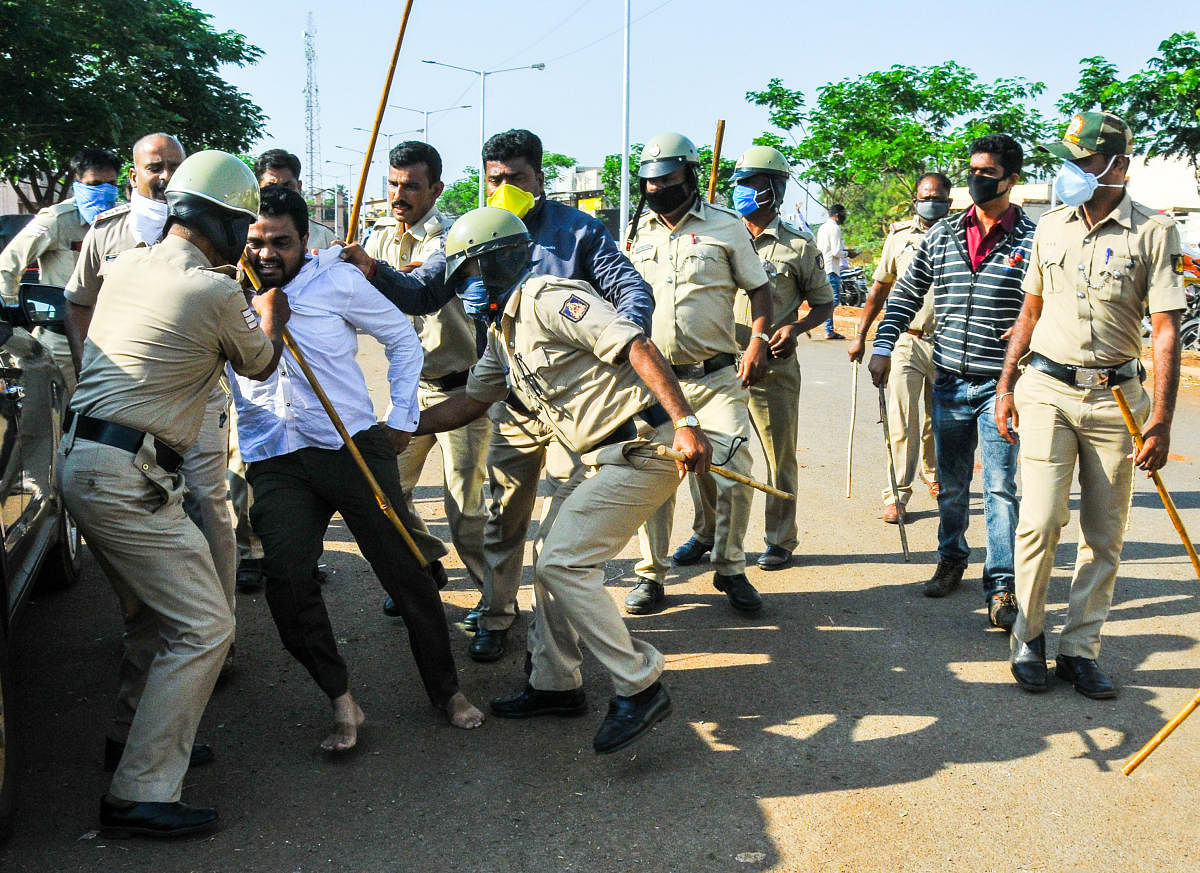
<point>516,200</point>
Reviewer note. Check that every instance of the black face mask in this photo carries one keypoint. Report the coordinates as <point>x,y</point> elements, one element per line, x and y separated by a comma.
<point>984,189</point>
<point>664,201</point>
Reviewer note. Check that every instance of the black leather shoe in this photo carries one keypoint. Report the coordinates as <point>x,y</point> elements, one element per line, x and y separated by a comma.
<point>1002,610</point>
<point>531,702</point>
<point>740,592</point>
<point>691,552</point>
<point>1028,664</point>
<point>390,608</point>
<point>627,720</point>
<point>774,558</point>
<point>249,575</point>
<point>488,645</point>
<point>646,597</point>
<point>202,754</point>
<point>471,619</point>
<point>1086,677</point>
<point>160,820</point>
<point>945,578</point>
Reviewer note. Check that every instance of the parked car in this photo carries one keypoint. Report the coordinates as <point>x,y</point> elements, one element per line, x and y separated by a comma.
<point>41,544</point>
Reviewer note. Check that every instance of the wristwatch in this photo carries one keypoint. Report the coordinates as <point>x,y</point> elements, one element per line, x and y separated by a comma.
<point>762,336</point>
<point>687,421</point>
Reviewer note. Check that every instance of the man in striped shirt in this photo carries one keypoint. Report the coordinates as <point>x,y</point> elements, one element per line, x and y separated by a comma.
<point>973,264</point>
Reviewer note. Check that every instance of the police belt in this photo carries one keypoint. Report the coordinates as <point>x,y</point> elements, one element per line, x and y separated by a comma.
<point>699,371</point>
<point>449,382</point>
<point>655,416</point>
<point>1087,377</point>
<point>121,437</point>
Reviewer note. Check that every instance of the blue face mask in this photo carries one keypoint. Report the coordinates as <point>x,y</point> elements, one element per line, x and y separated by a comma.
<point>747,200</point>
<point>91,200</point>
<point>476,301</point>
<point>1074,187</point>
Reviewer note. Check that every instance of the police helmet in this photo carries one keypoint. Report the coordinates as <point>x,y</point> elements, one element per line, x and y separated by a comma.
<point>216,194</point>
<point>665,153</point>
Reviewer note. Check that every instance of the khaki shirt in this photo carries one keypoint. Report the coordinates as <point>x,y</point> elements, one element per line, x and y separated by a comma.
<point>695,270</point>
<point>447,336</point>
<point>319,236</point>
<point>110,234</point>
<point>562,350</point>
<point>1096,285</point>
<point>797,274</point>
<point>159,338</point>
<point>52,238</point>
<point>898,251</point>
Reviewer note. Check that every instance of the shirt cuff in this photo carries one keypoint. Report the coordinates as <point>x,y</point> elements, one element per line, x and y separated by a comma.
<point>404,418</point>
<point>881,351</point>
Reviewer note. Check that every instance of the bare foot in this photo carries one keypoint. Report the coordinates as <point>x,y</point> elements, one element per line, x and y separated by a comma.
<point>347,719</point>
<point>462,713</point>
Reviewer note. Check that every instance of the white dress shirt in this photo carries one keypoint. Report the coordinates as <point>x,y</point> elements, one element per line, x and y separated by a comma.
<point>831,244</point>
<point>331,301</point>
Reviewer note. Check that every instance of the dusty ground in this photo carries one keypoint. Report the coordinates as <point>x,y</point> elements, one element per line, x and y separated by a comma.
<point>855,725</point>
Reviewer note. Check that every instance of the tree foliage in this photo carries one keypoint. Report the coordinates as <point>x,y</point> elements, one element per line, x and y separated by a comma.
<point>461,195</point>
<point>554,163</point>
<point>106,72</point>
<point>610,176</point>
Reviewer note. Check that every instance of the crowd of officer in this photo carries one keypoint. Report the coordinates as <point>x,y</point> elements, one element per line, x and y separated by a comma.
<point>543,343</point>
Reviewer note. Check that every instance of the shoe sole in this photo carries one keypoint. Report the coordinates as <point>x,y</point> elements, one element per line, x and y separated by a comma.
<point>1030,687</point>
<point>645,610</point>
<point>124,833</point>
<point>633,738</point>
<point>771,567</point>
<point>560,711</point>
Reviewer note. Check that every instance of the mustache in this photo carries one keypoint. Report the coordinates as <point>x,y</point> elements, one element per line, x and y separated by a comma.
<point>399,203</point>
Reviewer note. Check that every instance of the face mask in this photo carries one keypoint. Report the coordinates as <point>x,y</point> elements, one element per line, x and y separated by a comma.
<point>664,201</point>
<point>149,216</point>
<point>984,189</point>
<point>932,210</point>
<point>91,200</point>
<point>475,298</point>
<point>1074,187</point>
<point>516,200</point>
<point>748,200</point>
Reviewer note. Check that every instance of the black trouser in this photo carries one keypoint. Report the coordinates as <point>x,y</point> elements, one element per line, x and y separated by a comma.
<point>295,496</point>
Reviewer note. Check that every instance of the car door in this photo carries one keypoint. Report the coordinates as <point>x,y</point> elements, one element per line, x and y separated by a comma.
<point>12,490</point>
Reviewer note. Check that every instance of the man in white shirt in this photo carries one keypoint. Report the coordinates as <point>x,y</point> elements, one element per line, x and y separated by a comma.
<point>833,251</point>
<point>302,474</point>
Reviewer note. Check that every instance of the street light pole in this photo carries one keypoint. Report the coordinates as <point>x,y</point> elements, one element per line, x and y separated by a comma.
<point>624,226</point>
<point>425,113</point>
<point>338,225</point>
<point>483,74</point>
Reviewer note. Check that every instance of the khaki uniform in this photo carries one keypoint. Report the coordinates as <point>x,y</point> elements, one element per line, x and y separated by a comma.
<point>695,270</point>
<point>910,386</point>
<point>158,340</point>
<point>448,338</point>
<point>561,349</point>
<point>1094,286</point>
<point>797,275</point>
<point>204,465</point>
<point>52,238</point>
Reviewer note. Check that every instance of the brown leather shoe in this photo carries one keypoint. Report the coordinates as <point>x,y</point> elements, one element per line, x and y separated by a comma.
<point>892,513</point>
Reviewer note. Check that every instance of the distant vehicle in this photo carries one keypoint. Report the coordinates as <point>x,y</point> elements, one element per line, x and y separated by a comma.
<point>41,544</point>
<point>854,286</point>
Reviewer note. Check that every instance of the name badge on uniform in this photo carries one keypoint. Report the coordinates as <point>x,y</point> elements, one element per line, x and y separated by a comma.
<point>111,256</point>
<point>644,248</point>
<point>250,317</point>
<point>575,308</point>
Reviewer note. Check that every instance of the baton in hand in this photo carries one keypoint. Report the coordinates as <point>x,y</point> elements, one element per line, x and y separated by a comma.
<point>850,439</point>
<point>887,441</point>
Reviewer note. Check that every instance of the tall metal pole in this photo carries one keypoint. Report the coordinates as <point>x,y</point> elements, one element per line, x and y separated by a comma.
<point>482,105</point>
<point>625,130</point>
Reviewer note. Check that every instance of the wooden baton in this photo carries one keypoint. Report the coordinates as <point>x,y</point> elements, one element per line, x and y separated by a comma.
<point>716,164</point>
<point>850,439</point>
<point>668,452</point>
<point>1144,751</point>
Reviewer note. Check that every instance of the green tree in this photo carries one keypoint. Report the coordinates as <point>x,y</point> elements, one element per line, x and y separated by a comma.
<point>610,176</point>
<point>554,163</point>
<point>105,73</point>
<point>461,195</point>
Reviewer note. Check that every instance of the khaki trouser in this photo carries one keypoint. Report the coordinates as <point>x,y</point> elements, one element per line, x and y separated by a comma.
<point>719,402</point>
<point>774,405</point>
<point>249,546</point>
<point>519,447</point>
<point>178,624</point>
<point>1059,425</point>
<point>590,518</point>
<point>206,492</point>
<point>909,408</point>
<point>464,456</point>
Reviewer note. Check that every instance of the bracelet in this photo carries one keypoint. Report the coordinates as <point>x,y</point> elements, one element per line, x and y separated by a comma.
<point>374,268</point>
<point>1005,394</point>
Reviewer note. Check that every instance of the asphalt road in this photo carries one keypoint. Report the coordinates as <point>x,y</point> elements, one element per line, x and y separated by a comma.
<point>854,725</point>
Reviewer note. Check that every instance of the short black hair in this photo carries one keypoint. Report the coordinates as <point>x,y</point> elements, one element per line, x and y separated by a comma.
<point>276,200</point>
<point>837,209</point>
<point>412,152</point>
<point>1002,147</point>
<point>94,159</point>
<point>941,178</point>
<point>516,143</point>
<point>276,159</point>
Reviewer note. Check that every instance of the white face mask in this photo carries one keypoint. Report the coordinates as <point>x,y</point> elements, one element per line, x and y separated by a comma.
<point>149,216</point>
<point>1074,187</point>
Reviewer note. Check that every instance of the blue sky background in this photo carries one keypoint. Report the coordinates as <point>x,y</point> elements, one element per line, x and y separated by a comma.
<point>692,62</point>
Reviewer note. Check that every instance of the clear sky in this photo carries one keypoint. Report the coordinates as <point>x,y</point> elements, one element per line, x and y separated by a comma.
<point>693,61</point>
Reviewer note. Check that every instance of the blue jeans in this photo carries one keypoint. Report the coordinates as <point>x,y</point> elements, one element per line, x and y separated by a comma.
<point>963,417</point>
<point>835,280</point>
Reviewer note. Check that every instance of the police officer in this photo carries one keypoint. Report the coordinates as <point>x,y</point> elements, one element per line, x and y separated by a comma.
<point>592,377</point>
<point>170,317</point>
<point>797,274</point>
<point>1098,263</point>
<point>413,234</point>
<point>279,167</point>
<point>696,256</point>
<point>910,402</point>
<point>54,236</point>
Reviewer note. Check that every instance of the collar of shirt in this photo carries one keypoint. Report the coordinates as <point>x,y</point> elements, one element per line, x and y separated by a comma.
<point>1122,214</point>
<point>979,244</point>
<point>428,224</point>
